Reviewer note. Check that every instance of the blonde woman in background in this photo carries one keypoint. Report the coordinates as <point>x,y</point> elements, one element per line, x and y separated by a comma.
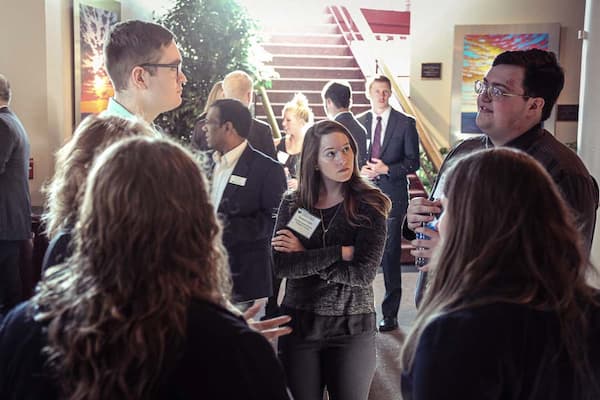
<point>198,137</point>
<point>297,117</point>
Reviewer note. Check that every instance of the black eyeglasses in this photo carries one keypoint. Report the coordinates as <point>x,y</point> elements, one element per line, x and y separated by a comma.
<point>176,67</point>
<point>494,92</point>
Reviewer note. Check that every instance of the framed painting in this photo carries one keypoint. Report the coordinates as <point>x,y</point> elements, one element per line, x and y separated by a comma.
<point>475,47</point>
<point>92,20</point>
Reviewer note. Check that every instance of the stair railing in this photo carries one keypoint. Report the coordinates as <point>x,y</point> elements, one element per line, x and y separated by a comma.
<point>433,153</point>
<point>269,111</point>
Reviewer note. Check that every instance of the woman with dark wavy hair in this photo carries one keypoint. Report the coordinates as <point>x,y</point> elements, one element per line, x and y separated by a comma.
<point>140,311</point>
<point>73,162</point>
<point>330,269</point>
<point>508,313</point>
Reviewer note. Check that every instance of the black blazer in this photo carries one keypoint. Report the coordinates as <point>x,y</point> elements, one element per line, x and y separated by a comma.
<point>261,138</point>
<point>400,152</point>
<point>248,214</point>
<point>357,131</point>
<point>15,203</point>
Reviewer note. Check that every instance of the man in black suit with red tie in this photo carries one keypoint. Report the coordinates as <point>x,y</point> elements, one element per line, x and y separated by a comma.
<point>393,153</point>
<point>246,190</point>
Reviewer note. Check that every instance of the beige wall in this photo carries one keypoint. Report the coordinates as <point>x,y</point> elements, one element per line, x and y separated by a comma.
<point>36,56</point>
<point>432,37</point>
<point>33,53</point>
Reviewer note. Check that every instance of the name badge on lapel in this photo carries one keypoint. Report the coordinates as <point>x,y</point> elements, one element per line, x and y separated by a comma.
<point>304,223</point>
<point>237,180</point>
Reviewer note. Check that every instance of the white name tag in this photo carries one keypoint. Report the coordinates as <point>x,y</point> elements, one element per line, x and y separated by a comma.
<point>237,180</point>
<point>304,223</point>
<point>282,156</point>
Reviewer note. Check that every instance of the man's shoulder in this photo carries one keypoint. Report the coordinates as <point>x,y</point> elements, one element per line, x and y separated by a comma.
<point>260,158</point>
<point>469,145</point>
<point>257,124</point>
<point>402,115</point>
<point>551,152</point>
<point>362,117</point>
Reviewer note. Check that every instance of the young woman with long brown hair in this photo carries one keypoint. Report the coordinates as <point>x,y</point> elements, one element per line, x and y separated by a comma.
<point>140,311</point>
<point>330,271</point>
<point>73,163</point>
<point>508,313</point>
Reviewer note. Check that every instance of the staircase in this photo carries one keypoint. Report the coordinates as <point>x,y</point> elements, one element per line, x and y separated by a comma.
<point>306,56</point>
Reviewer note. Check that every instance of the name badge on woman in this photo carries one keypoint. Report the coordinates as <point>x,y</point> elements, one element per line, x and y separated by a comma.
<point>304,223</point>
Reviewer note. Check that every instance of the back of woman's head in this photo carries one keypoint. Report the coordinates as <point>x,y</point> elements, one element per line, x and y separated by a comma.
<point>147,208</point>
<point>299,108</point>
<point>146,243</point>
<point>509,234</point>
<point>509,237</point>
<point>73,161</point>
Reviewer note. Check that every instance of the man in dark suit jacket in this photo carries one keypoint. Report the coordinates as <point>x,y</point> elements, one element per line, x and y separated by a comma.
<point>15,204</point>
<point>246,189</point>
<point>393,153</point>
<point>337,100</point>
<point>238,85</point>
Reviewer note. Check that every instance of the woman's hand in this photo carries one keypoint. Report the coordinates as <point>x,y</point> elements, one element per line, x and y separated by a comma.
<point>269,328</point>
<point>286,242</point>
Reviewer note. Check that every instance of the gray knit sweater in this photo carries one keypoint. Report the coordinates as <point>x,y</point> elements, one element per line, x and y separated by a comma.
<point>318,280</point>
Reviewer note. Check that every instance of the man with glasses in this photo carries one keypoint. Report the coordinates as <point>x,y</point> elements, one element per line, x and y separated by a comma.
<point>144,65</point>
<point>514,98</point>
<point>392,153</point>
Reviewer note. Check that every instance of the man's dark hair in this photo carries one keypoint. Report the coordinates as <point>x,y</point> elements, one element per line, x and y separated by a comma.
<point>544,77</point>
<point>4,89</point>
<point>339,92</point>
<point>234,111</point>
<point>131,43</point>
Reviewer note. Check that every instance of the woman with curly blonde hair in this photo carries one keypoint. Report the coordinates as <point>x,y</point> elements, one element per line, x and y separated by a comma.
<point>296,119</point>
<point>73,162</point>
<point>140,311</point>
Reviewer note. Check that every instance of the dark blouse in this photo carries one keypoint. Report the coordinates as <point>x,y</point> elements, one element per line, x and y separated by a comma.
<point>499,351</point>
<point>222,359</point>
<point>326,295</point>
<point>293,161</point>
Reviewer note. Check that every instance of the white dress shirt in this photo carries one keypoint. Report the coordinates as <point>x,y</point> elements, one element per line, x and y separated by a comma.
<point>224,165</point>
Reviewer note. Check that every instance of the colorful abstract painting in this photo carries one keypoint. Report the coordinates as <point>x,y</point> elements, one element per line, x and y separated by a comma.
<point>478,53</point>
<point>95,17</point>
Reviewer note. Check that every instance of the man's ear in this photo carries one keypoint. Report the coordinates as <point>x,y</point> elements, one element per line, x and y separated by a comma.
<point>537,104</point>
<point>138,77</point>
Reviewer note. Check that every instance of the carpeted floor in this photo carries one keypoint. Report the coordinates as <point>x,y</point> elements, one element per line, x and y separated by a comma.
<point>386,383</point>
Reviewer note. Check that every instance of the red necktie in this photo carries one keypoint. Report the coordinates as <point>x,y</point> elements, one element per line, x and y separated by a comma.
<point>376,145</point>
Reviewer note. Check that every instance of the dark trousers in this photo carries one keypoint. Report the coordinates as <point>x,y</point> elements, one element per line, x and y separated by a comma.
<point>10,277</point>
<point>345,365</point>
<point>391,266</point>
